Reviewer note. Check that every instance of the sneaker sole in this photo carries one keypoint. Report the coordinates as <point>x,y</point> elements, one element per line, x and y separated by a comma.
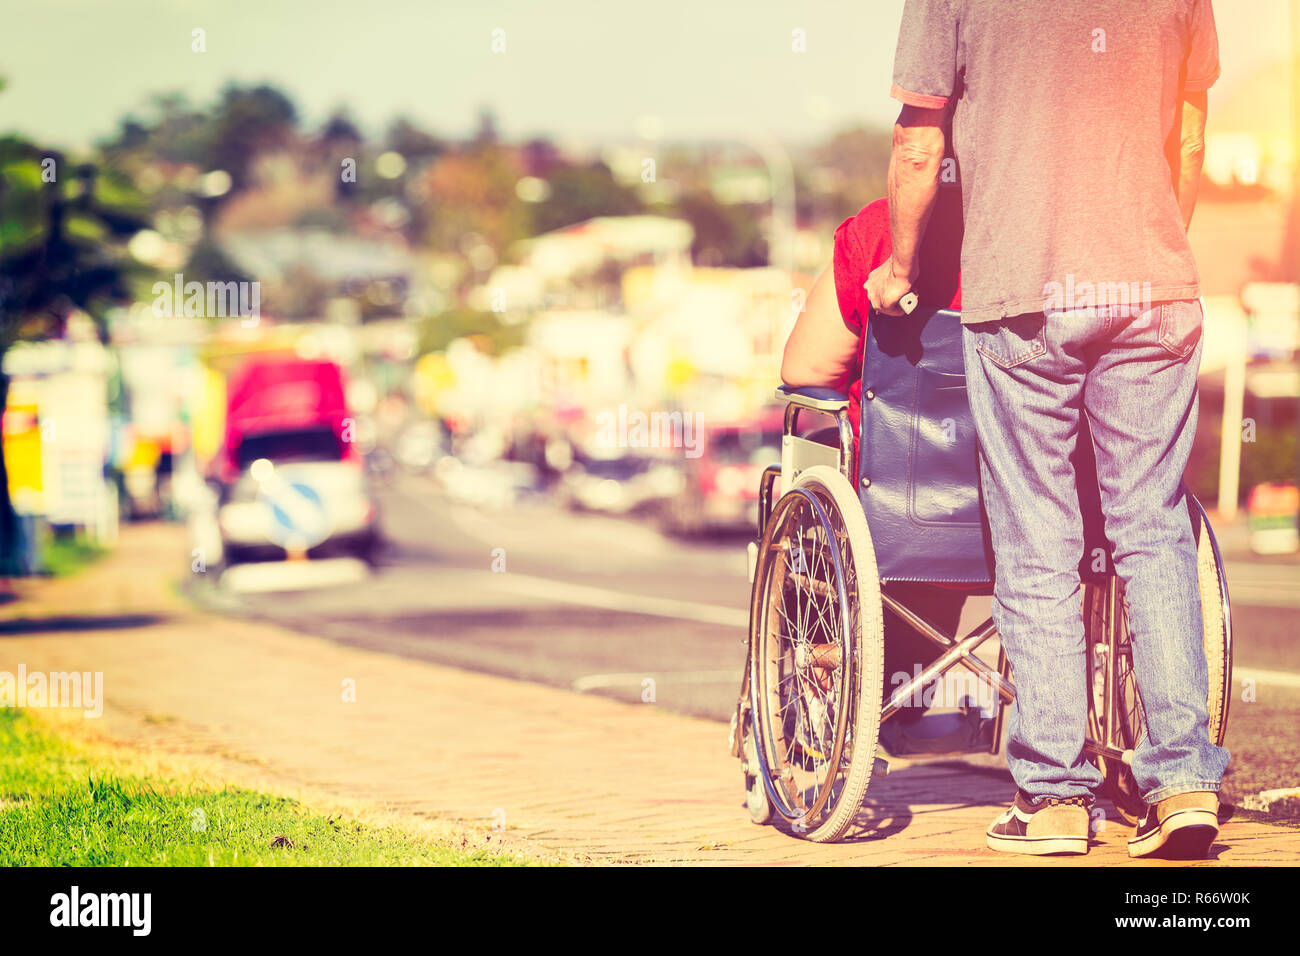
<point>1037,846</point>
<point>1184,835</point>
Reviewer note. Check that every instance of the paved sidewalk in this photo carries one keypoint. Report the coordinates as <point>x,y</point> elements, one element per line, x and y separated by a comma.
<point>570,773</point>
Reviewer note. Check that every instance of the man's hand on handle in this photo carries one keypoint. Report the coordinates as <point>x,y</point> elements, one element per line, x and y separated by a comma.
<point>890,293</point>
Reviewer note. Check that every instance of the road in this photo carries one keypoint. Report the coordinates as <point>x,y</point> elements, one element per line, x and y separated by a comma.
<point>606,606</point>
<point>577,601</point>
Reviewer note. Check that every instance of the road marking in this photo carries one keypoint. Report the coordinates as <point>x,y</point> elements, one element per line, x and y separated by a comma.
<point>602,681</point>
<point>1263,585</point>
<point>1256,594</point>
<point>570,538</point>
<point>566,593</point>
<point>1277,678</point>
<point>1266,798</point>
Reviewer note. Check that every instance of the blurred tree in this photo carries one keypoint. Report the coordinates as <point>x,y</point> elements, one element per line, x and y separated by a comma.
<point>244,123</point>
<point>725,235</point>
<point>339,130</point>
<point>436,332</point>
<point>486,133</point>
<point>1270,457</point>
<point>248,121</point>
<point>178,134</point>
<point>63,230</point>
<point>857,161</point>
<point>340,139</point>
<point>581,192</point>
<point>208,263</point>
<point>404,137</point>
<point>540,157</point>
<point>472,201</point>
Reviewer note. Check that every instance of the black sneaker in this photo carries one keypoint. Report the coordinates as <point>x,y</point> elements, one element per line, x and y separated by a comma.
<point>1053,825</point>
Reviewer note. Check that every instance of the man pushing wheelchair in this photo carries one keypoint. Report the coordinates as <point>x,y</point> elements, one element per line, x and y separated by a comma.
<point>1076,135</point>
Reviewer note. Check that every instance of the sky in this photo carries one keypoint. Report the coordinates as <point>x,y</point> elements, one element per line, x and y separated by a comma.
<point>589,70</point>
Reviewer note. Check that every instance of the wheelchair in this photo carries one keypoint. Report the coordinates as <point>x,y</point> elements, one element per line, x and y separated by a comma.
<point>813,699</point>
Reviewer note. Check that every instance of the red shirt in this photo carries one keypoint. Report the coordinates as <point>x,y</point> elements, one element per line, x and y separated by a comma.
<point>862,243</point>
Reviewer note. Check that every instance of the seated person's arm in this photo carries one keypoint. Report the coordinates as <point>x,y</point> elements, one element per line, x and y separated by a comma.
<point>821,350</point>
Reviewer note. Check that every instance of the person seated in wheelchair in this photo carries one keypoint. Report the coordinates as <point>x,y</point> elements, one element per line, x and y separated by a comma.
<point>825,349</point>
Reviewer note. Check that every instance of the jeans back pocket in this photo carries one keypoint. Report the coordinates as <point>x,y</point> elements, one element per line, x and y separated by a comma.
<point>1180,326</point>
<point>1014,341</point>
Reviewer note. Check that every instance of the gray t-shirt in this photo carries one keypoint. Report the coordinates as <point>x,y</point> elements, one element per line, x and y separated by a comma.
<point>1061,110</point>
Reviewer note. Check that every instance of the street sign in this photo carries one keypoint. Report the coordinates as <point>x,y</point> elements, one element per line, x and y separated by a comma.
<point>297,516</point>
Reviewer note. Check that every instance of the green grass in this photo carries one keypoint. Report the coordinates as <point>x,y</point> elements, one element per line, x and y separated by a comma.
<point>60,805</point>
<point>62,556</point>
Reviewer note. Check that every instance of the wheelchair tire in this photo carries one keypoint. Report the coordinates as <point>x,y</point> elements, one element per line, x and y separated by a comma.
<point>816,767</point>
<point>1216,616</point>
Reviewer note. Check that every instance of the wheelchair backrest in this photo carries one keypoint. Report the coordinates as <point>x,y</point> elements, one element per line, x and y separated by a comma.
<point>918,465</point>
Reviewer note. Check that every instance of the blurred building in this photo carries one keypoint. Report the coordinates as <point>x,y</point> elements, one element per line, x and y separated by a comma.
<point>706,331</point>
<point>304,269</point>
<point>617,312</point>
<point>57,433</point>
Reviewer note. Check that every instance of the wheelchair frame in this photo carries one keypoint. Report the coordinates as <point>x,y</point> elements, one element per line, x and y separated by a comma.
<point>799,453</point>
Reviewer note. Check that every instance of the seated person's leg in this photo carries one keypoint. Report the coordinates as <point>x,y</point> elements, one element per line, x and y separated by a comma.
<point>905,649</point>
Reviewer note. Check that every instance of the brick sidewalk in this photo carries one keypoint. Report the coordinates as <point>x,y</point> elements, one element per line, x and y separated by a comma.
<point>568,773</point>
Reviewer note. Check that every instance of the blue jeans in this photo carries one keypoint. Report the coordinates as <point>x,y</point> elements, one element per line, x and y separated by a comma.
<point>1029,378</point>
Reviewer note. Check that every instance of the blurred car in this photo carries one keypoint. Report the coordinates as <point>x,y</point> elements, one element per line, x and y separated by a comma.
<point>720,488</point>
<point>494,485</point>
<point>289,479</point>
<point>620,485</point>
<point>419,445</point>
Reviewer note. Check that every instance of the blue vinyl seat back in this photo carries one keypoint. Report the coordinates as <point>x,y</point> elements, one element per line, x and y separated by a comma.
<point>918,466</point>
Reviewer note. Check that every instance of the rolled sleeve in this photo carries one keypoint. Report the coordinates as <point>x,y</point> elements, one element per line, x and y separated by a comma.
<point>861,244</point>
<point>925,64</point>
<point>1202,67</point>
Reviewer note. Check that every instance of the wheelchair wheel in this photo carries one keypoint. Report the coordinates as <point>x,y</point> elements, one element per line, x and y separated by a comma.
<point>816,656</point>
<point>1103,609</point>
